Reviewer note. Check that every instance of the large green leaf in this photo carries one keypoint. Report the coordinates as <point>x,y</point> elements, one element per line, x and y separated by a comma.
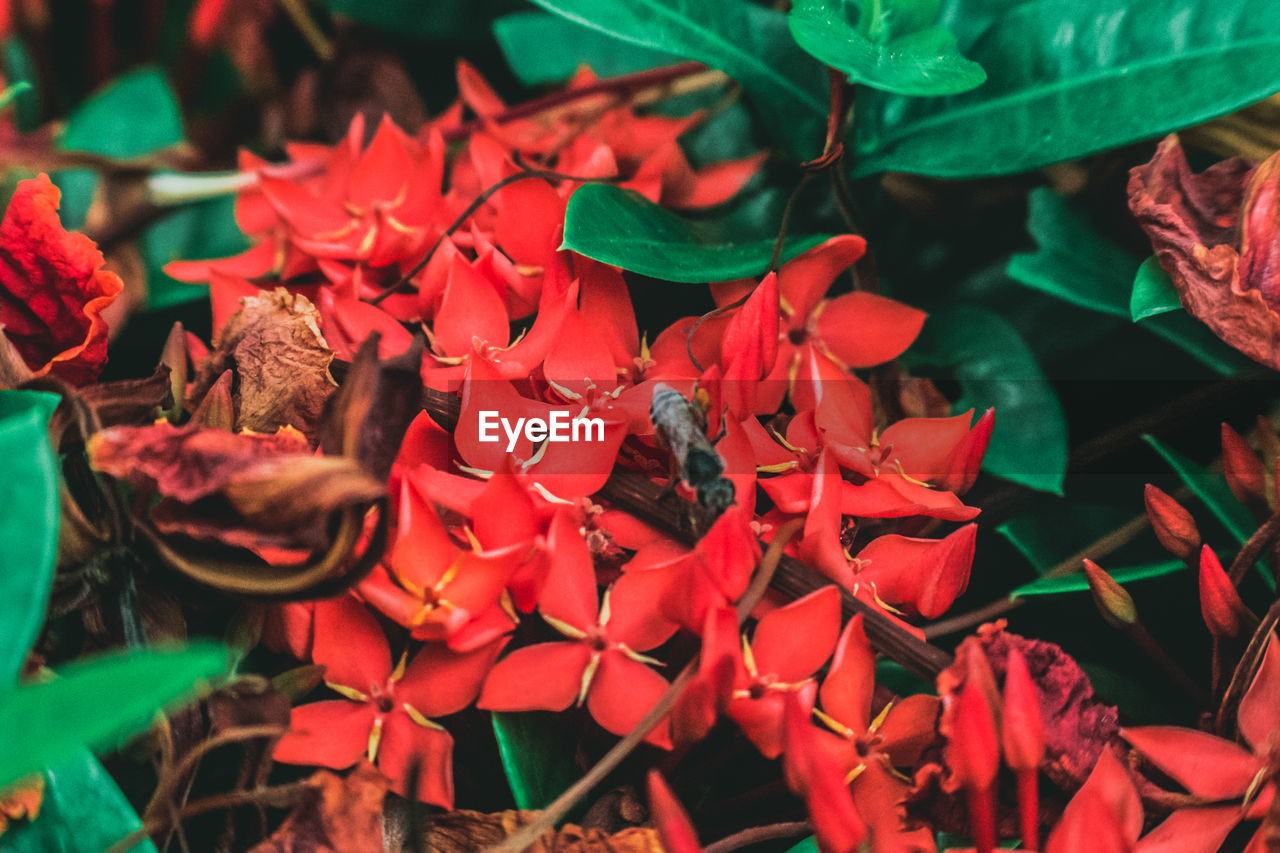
<point>542,48</point>
<point>206,229</point>
<point>995,367</point>
<point>1153,292</point>
<point>1066,78</point>
<point>28,524</point>
<point>891,45</point>
<point>1075,263</point>
<point>96,701</point>
<point>135,114</point>
<point>809,845</point>
<point>747,41</point>
<point>1057,529</point>
<point>1078,582</point>
<point>537,750</point>
<point>622,228</point>
<point>83,812</point>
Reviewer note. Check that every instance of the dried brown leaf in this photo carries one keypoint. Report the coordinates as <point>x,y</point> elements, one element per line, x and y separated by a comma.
<point>462,831</point>
<point>339,814</point>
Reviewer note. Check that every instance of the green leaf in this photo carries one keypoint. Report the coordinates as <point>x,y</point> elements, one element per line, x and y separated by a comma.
<point>1076,264</point>
<point>20,68</point>
<point>902,681</point>
<point>83,812</point>
<point>537,750</point>
<point>1066,78</point>
<point>11,92</point>
<point>891,45</point>
<point>1073,262</point>
<point>622,228</point>
<point>1210,488</point>
<point>995,367</point>
<point>747,41</point>
<point>1153,292</point>
<point>1058,529</point>
<point>134,115</point>
<point>809,845</point>
<point>1077,582</point>
<point>207,229</point>
<point>28,525</point>
<point>96,701</point>
<point>542,48</point>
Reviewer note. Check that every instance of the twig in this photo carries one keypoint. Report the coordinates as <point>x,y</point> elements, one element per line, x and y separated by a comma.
<point>1253,548</point>
<point>759,835</point>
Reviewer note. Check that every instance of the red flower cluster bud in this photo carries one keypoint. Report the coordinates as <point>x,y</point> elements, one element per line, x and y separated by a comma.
<point>1242,468</point>
<point>1174,526</point>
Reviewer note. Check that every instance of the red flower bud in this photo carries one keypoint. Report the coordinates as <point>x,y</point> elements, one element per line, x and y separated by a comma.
<point>972,752</point>
<point>1022,726</point>
<point>1242,467</point>
<point>1113,602</point>
<point>1174,526</point>
<point>1220,604</point>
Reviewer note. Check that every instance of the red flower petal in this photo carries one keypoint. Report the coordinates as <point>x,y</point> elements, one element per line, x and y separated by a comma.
<point>570,591</point>
<point>847,690</point>
<point>864,329</point>
<point>423,550</point>
<point>622,692</point>
<point>793,641</point>
<point>635,611</point>
<point>1259,714</point>
<point>810,770</point>
<point>1205,765</point>
<point>327,734</point>
<point>52,287</point>
<point>350,644</point>
<point>471,312</point>
<point>403,742</point>
<point>673,824</point>
<point>439,681</point>
<point>1191,830</point>
<point>541,677</point>
<point>805,278</point>
<point>1106,807</point>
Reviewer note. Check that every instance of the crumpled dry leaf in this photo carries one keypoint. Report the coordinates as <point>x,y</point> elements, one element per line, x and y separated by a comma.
<point>367,418</point>
<point>462,831</point>
<point>341,814</point>
<point>1214,234</point>
<point>247,489</point>
<point>1077,725</point>
<point>281,363</point>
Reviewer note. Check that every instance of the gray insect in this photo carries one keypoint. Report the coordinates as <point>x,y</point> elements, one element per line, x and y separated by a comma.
<point>682,428</point>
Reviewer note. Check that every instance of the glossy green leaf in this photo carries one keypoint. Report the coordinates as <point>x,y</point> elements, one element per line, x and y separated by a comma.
<point>622,228</point>
<point>96,701</point>
<point>537,750</point>
<point>1066,78</point>
<point>1209,487</point>
<point>1073,262</point>
<point>20,68</point>
<point>809,845</point>
<point>891,45</point>
<point>542,48</point>
<point>1076,264</point>
<point>1078,583</point>
<point>748,41</point>
<point>1139,704</point>
<point>83,812</point>
<point>1057,529</point>
<point>28,525</point>
<point>135,114</point>
<point>995,367</point>
<point>1153,292</point>
<point>198,231</point>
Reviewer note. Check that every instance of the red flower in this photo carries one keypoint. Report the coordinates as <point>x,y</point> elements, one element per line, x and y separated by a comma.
<point>1105,815</point>
<point>601,663</point>
<point>812,771</point>
<point>386,712</point>
<point>53,288</point>
<point>1214,769</point>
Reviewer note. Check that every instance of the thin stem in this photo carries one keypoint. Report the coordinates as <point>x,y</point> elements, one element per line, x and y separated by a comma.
<point>759,835</point>
<point>1253,548</point>
<point>1029,807</point>
<point>315,37</point>
<point>982,817</point>
<point>1142,638</point>
<point>1242,676</point>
